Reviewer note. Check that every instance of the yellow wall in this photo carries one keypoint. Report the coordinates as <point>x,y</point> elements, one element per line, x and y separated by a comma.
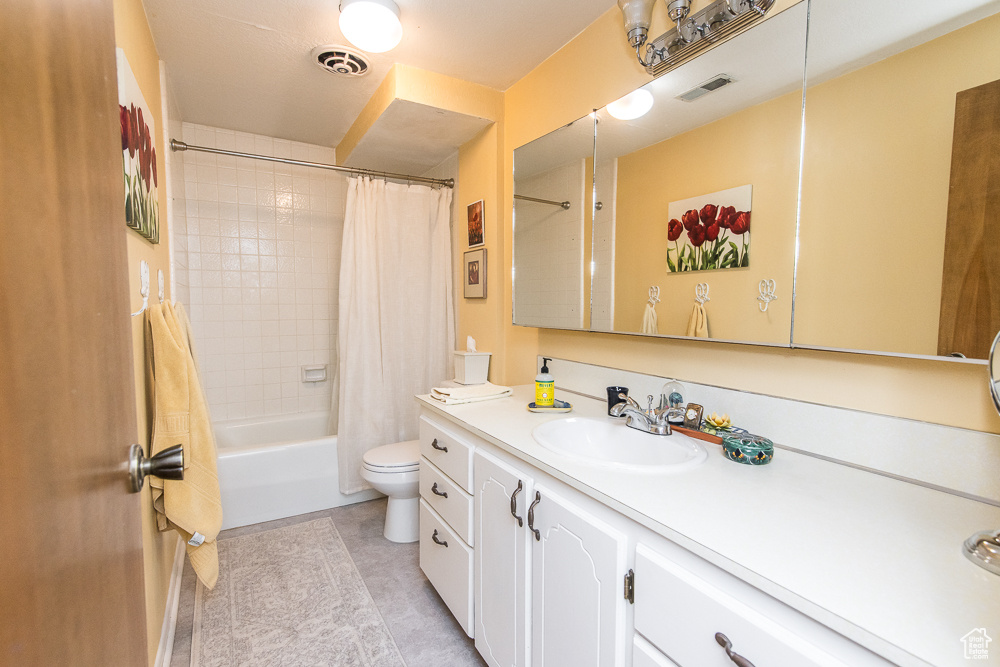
<point>689,165</point>
<point>595,68</point>
<point>134,38</point>
<point>884,212</point>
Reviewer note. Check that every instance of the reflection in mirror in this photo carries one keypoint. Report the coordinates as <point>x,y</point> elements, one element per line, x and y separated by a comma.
<point>680,185</point>
<point>994,373</point>
<point>553,190</point>
<point>899,250</point>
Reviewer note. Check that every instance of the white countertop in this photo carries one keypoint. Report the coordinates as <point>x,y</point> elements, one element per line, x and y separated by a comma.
<point>876,559</point>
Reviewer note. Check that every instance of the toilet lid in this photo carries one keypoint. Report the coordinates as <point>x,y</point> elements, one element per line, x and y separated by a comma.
<point>398,457</point>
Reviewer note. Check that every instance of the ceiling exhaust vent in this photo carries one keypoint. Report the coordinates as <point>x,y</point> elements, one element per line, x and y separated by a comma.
<point>716,82</point>
<point>341,60</point>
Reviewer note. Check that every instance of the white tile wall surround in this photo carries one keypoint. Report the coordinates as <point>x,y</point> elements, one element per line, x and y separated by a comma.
<point>258,260</point>
<point>549,240</point>
<point>958,460</point>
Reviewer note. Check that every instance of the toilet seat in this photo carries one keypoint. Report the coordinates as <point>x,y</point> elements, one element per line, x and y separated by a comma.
<point>399,457</point>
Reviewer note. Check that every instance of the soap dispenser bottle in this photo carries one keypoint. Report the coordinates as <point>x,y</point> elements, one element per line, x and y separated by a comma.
<point>545,386</point>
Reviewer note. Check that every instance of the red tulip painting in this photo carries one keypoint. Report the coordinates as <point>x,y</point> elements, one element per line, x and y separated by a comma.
<point>709,232</point>
<point>138,135</point>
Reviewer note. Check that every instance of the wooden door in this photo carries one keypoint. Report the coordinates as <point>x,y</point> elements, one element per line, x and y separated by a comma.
<point>970,290</point>
<point>71,579</point>
<point>501,562</point>
<point>577,586</point>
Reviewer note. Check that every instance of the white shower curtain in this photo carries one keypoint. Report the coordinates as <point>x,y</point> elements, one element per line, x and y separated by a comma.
<point>396,323</point>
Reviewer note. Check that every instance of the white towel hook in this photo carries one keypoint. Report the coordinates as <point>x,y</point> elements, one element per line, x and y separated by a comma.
<point>701,293</point>
<point>654,295</point>
<point>159,280</point>
<point>767,295</point>
<point>143,286</point>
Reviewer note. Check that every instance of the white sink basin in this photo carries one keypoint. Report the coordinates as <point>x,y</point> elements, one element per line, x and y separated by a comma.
<point>610,444</point>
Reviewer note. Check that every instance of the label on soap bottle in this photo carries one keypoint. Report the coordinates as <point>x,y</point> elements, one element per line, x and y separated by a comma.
<point>545,394</point>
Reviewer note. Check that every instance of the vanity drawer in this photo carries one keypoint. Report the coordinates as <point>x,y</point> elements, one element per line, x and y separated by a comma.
<point>451,502</point>
<point>645,654</point>
<point>680,613</point>
<point>448,568</point>
<point>450,452</point>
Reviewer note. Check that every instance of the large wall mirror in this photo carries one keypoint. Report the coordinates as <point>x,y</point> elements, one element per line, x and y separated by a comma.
<point>728,152</point>
<point>701,191</point>
<point>553,194</point>
<point>889,241</point>
<point>901,178</point>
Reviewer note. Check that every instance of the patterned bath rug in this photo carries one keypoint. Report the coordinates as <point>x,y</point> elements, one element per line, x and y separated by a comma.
<point>289,596</point>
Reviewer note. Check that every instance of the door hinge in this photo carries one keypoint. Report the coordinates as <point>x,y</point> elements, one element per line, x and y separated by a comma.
<point>630,586</point>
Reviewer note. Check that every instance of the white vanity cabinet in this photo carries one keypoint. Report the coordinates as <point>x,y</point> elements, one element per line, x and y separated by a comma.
<point>682,602</point>
<point>502,560</point>
<point>557,577</point>
<point>549,571</point>
<point>446,555</point>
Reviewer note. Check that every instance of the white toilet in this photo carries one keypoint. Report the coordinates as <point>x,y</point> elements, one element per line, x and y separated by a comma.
<point>395,471</point>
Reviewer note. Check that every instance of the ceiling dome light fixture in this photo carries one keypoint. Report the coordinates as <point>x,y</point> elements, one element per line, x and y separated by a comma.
<point>371,25</point>
<point>632,106</point>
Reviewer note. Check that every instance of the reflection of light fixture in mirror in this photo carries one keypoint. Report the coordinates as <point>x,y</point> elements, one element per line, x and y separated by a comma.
<point>693,35</point>
<point>371,25</point>
<point>632,106</point>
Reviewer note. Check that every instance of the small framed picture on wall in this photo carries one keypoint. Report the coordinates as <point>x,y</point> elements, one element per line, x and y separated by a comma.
<point>477,224</point>
<point>475,274</point>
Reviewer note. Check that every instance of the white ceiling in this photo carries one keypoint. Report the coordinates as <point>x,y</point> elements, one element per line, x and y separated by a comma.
<point>245,64</point>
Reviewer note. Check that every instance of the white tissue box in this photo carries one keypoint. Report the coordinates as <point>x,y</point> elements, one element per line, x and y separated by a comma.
<point>472,367</point>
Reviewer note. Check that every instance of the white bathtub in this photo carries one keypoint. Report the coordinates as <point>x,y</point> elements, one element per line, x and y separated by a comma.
<point>274,467</point>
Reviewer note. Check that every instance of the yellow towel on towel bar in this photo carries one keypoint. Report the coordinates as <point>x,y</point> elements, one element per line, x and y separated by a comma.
<point>192,506</point>
<point>698,324</point>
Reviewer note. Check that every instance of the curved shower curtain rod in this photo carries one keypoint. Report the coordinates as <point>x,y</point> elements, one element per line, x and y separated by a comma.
<point>176,145</point>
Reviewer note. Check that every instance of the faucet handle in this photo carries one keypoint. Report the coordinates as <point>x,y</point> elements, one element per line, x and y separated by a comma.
<point>631,401</point>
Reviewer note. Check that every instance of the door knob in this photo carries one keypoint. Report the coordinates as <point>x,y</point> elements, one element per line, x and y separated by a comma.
<point>168,464</point>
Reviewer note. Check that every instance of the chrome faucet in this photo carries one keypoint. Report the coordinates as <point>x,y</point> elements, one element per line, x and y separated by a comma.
<point>647,421</point>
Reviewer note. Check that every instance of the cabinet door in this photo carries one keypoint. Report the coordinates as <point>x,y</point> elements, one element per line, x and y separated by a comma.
<point>577,601</point>
<point>501,562</point>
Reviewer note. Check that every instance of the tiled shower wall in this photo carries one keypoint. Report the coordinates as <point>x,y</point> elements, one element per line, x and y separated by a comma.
<point>549,242</point>
<point>257,260</point>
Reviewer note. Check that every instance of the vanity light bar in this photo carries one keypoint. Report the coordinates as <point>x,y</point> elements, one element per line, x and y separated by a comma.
<point>713,25</point>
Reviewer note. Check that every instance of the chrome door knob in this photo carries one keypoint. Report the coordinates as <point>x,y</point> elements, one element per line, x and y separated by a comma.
<point>168,464</point>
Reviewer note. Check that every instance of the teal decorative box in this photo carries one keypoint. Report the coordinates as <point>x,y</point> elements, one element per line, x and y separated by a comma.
<point>748,449</point>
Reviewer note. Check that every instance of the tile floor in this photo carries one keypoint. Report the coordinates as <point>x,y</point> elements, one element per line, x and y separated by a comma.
<point>425,631</point>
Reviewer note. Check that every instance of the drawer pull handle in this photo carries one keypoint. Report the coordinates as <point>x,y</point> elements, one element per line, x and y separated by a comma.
<point>513,504</point>
<point>440,448</point>
<point>728,645</point>
<point>531,519</point>
<point>435,491</point>
<point>444,543</point>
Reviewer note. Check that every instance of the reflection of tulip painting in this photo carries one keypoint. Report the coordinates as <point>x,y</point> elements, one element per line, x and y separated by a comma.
<point>473,273</point>
<point>709,232</point>
<point>138,155</point>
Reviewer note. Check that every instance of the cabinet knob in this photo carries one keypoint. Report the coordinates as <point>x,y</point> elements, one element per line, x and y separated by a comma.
<point>444,543</point>
<point>513,504</point>
<point>738,659</point>
<point>438,492</point>
<point>440,448</point>
<point>531,519</point>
